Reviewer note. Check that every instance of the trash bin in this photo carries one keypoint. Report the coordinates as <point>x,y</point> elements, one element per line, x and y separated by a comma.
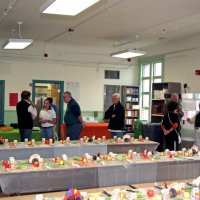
<point>154,133</point>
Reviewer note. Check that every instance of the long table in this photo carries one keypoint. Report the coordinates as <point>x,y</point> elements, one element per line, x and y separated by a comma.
<point>14,135</point>
<point>23,151</point>
<point>112,174</point>
<point>93,190</point>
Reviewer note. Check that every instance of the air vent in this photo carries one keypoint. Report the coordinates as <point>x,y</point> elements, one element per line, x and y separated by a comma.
<point>112,74</point>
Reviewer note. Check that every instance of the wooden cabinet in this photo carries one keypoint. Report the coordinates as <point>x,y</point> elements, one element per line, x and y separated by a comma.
<point>161,93</point>
<point>130,100</point>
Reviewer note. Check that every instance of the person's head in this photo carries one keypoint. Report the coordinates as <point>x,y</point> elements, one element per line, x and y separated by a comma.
<point>174,97</point>
<point>50,100</point>
<point>67,96</point>
<point>172,106</point>
<point>47,104</point>
<point>25,95</point>
<point>115,98</point>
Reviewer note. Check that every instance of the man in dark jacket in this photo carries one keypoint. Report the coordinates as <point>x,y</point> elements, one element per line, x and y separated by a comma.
<point>73,118</point>
<point>26,112</point>
<point>115,115</point>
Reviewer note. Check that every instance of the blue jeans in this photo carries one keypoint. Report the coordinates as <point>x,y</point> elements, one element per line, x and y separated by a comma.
<point>74,131</point>
<point>25,133</point>
<point>118,134</point>
<point>47,132</point>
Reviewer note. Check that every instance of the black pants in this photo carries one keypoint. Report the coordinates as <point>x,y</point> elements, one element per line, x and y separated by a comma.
<point>172,141</point>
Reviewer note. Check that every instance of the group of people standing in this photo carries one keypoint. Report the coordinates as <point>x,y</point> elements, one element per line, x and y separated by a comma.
<point>26,113</point>
<point>115,116</point>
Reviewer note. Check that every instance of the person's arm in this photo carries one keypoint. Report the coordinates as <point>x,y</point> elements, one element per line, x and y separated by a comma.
<point>192,120</point>
<point>32,109</point>
<point>180,112</point>
<point>107,115</point>
<point>80,119</point>
<point>77,112</point>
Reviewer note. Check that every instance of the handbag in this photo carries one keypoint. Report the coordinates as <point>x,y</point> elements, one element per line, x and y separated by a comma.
<point>179,137</point>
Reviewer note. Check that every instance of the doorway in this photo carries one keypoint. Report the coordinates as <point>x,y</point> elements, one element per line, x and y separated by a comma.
<point>2,95</point>
<point>109,90</point>
<point>48,88</point>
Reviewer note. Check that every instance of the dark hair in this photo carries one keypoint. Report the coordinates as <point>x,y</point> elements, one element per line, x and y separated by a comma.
<point>49,103</point>
<point>68,93</point>
<point>50,100</point>
<point>25,94</point>
<point>172,106</point>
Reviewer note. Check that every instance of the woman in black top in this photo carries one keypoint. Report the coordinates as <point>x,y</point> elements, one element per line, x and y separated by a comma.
<point>170,126</point>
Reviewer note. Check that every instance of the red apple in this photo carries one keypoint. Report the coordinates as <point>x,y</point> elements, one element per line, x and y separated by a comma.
<point>142,155</point>
<point>46,141</point>
<point>36,164</point>
<point>150,192</point>
<point>7,165</point>
<point>5,162</point>
<point>57,159</point>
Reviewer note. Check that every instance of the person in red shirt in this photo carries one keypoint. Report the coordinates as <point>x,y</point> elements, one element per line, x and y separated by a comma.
<point>171,126</point>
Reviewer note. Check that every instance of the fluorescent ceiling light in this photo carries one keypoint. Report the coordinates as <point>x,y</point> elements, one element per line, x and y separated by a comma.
<point>66,7</point>
<point>17,43</point>
<point>129,53</point>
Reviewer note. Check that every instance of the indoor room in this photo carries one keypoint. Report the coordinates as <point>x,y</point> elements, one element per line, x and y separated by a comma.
<point>99,99</point>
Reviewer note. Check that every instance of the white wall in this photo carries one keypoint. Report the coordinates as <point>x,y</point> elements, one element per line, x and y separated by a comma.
<point>182,58</point>
<point>19,73</point>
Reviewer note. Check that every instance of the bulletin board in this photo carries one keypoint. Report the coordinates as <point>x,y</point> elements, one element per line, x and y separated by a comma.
<point>74,88</point>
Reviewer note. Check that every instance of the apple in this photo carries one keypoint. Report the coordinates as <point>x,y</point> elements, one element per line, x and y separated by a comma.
<point>162,153</point>
<point>47,142</point>
<point>36,164</point>
<point>186,154</point>
<point>7,165</point>
<point>150,193</point>
<point>170,155</point>
<point>84,160</point>
<point>61,162</point>
<point>142,155</point>
<point>81,158</point>
<point>5,162</point>
<point>105,157</point>
<point>179,152</point>
<point>109,158</point>
<point>57,159</point>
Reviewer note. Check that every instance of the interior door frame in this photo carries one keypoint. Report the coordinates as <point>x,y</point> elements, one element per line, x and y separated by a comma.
<point>60,117</point>
<point>2,99</point>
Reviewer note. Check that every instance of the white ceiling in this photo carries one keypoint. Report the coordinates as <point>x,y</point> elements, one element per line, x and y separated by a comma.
<point>109,26</point>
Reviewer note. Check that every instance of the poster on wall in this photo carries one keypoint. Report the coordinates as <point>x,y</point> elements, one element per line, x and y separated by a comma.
<point>13,99</point>
<point>74,88</point>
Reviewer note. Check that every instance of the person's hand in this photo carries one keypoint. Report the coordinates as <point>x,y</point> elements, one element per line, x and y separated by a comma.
<point>31,102</point>
<point>83,124</point>
<point>166,132</point>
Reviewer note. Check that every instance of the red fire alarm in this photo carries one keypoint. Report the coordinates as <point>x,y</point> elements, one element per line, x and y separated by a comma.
<point>197,72</point>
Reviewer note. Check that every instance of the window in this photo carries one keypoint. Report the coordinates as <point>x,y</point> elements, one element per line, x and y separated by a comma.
<point>151,72</point>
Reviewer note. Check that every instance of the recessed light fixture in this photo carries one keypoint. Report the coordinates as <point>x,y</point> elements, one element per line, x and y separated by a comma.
<point>66,7</point>
<point>129,53</point>
<point>18,43</point>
